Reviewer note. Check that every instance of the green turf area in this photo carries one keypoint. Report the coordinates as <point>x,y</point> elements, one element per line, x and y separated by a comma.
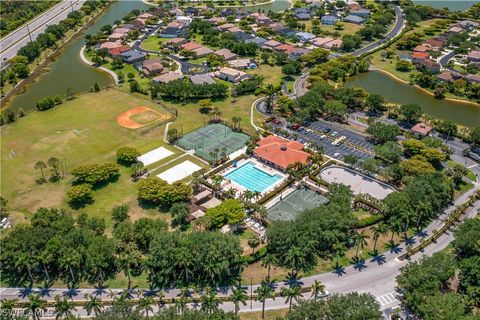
<point>470,175</point>
<point>296,202</point>
<point>213,137</point>
<point>152,43</point>
<point>81,131</point>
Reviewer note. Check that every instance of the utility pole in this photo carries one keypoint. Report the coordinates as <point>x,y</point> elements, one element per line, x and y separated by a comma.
<point>71,5</point>
<point>251,293</point>
<point>29,34</point>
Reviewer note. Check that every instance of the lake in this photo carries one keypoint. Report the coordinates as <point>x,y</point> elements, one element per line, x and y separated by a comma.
<point>401,93</point>
<point>453,5</point>
<point>68,71</point>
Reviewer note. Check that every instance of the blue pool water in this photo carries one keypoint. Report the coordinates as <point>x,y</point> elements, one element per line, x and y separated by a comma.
<point>252,178</point>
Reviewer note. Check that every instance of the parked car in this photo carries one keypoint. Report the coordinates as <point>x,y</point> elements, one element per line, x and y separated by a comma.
<point>336,155</point>
<point>327,130</point>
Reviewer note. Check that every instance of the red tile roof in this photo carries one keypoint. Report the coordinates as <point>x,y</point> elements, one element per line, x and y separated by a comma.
<point>190,46</point>
<point>420,55</point>
<point>118,51</point>
<point>288,48</point>
<point>422,128</point>
<point>281,152</point>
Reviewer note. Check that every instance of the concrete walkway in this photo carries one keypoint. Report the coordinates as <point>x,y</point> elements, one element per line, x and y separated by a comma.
<point>86,61</point>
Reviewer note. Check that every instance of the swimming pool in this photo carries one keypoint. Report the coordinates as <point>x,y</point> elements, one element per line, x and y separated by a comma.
<point>252,178</point>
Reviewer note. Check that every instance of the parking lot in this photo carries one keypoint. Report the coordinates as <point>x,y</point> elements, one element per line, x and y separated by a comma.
<point>312,133</point>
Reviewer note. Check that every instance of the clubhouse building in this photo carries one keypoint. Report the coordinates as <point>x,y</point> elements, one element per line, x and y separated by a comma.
<point>280,153</point>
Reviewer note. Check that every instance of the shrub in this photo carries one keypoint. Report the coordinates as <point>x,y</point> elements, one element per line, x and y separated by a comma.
<point>127,156</point>
<point>80,195</point>
<point>96,174</point>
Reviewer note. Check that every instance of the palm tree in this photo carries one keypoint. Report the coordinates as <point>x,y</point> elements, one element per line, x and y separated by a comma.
<point>268,261</point>
<point>239,295</point>
<point>340,249</point>
<point>63,308</point>
<point>264,292</point>
<point>34,305</point>
<point>44,258</point>
<point>360,240</point>
<point>7,306</point>
<point>70,260</point>
<point>41,165</point>
<point>256,194</point>
<point>394,225</point>
<point>145,305</point>
<point>93,304</point>
<point>379,230</point>
<point>184,262</point>
<point>270,92</point>
<point>54,163</point>
<point>160,297</point>
<point>209,301</point>
<point>317,288</point>
<point>290,294</point>
<point>26,261</point>
<point>223,153</point>
<point>408,218</point>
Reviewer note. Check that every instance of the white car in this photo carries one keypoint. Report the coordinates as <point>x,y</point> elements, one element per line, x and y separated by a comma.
<point>336,155</point>
<point>322,137</point>
<point>323,295</point>
<point>334,133</point>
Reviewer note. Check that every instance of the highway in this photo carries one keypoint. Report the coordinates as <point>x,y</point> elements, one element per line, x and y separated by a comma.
<point>11,43</point>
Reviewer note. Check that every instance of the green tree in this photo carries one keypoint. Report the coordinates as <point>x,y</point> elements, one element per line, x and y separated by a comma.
<point>317,289</point>
<point>145,305</point>
<point>411,112</point>
<point>93,304</point>
<point>80,195</point>
<point>209,301</point>
<point>389,152</point>
<point>231,211</point>
<point>268,261</point>
<point>253,242</point>
<point>375,103</point>
<point>382,132</point>
<point>127,156</point>
<point>41,165</point>
<point>290,294</point>
<point>239,295</point>
<point>35,305</point>
<point>360,240</point>
<point>264,292</point>
<point>63,308</point>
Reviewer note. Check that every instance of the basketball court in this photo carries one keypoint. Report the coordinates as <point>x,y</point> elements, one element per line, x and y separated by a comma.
<point>293,204</point>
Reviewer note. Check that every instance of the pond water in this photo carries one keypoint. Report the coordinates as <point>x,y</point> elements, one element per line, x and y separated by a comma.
<point>68,71</point>
<point>399,92</point>
<point>453,5</point>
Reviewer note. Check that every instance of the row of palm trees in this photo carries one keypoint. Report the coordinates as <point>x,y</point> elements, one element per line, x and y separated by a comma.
<point>206,300</point>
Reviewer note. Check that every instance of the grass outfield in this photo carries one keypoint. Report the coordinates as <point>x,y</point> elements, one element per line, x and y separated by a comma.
<point>81,131</point>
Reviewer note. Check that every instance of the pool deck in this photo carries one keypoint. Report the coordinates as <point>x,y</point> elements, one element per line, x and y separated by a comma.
<point>261,166</point>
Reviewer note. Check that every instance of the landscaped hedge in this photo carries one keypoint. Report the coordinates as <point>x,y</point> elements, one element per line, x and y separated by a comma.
<point>226,165</point>
<point>368,221</point>
<point>254,257</point>
<point>279,189</point>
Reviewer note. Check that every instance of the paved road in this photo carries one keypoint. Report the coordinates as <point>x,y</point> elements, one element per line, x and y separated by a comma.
<point>14,41</point>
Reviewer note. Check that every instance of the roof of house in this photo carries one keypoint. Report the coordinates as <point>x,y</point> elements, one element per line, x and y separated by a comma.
<point>132,55</point>
<point>329,18</point>
<point>303,15</point>
<point>305,35</point>
<point>240,63</point>
<point>422,48</point>
<point>121,30</point>
<point>429,63</point>
<point>473,78</point>
<point>446,76</point>
<point>212,203</point>
<point>334,43</point>
<point>202,51</point>
<point>226,26</point>
<point>272,43</point>
<point>231,71</point>
<point>116,36</point>
<point>288,48</point>
<point>475,54</point>
<point>434,42</point>
<point>226,54</point>
<point>234,29</point>
<point>421,128</point>
<point>175,40</point>
<point>455,29</point>
<point>118,50</point>
<point>300,51</point>
<point>361,11</point>
<point>189,46</point>
<point>202,195</point>
<point>281,152</point>
<point>110,45</point>
<point>240,35</point>
<point>257,40</point>
<point>321,41</point>
<point>200,79</point>
<point>420,55</point>
<point>167,77</point>
<point>352,18</point>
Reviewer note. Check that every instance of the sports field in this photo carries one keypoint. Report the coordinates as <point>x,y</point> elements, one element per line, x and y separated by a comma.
<point>293,204</point>
<point>210,141</point>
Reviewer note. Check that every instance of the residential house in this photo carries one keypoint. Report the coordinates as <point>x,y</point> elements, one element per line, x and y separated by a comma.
<point>226,54</point>
<point>473,78</point>
<point>190,46</point>
<point>217,20</point>
<point>109,45</point>
<point>153,67</point>
<point>184,19</point>
<point>360,13</point>
<point>234,29</point>
<point>298,52</point>
<point>334,44</point>
<point>224,27</point>
<point>139,23</point>
<point>259,41</point>
<point>173,30</point>
<point>123,31</point>
<point>329,20</point>
<point>277,26</point>
<point>421,130</point>
<point>117,52</point>
<point>133,56</point>
<point>202,51</point>
<point>177,12</point>
<point>435,44</point>
<point>455,30</point>
<point>280,153</point>
<point>167,77</point>
<point>353,19</point>
<point>418,56</point>
<point>243,36</point>
<point>474,56</point>
<point>271,44</point>
<point>231,75</point>
<point>449,76</point>
<point>288,33</point>
<point>422,48</point>
<point>430,65</point>
<point>303,16</point>
<point>200,79</point>
<point>242,64</point>
<point>468,24</point>
<point>287,48</point>
<point>191,11</point>
<point>319,42</point>
<point>116,37</point>
<point>175,42</point>
<point>305,36</point>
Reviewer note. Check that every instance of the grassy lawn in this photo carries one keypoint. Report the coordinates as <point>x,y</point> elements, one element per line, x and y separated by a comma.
<point>271,74</point>
<point>462,188</point>
<point>470,175</point>
<point>151,43</point>
<point>81,131</point>
<point>269,314</point>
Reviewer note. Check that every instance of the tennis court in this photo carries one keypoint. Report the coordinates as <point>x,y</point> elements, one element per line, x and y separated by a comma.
<point>213,141</point>
<point>296,202</point>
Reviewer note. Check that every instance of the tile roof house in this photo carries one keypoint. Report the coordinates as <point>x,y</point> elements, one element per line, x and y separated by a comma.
<point>200,79</point>
<point>449,76</point>
<point>473,78</point>
<point>474,56</point>
<point>257,40</point>
<point>117,52</point>
<point>337,43</point>
<point>329,20</point>
<point>116,37</point>
<point>303,16</point>
<point>225,27</point>
<point>271,44</point>
<point>421,129</point>
<point>417,56</point>
<point>422,48</point>
<point>276,26</point>
<point>153,67</point>
<point>305,36</point>
<point>318,42</point>
<point>280,152</point>
<point>226,54</point>
<point>167,77</point>
<point>287,48</point>
<point>243,36</point>
<point>242,64</point>
<point>202,51</point>
<point>360,12</point>
<point>435,43</point>
<point>298,52</point>
<point>455,30</point>
<point>174,42</point>
<point>353,19</point>
<point>110,45</point>
<point>429,64</point>
<point>217,20</point>
<point>231,75</point>
<point>189,46</point>
<point>468,24</point>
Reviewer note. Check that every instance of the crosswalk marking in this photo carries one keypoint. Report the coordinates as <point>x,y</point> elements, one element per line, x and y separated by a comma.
<point>387,298</point>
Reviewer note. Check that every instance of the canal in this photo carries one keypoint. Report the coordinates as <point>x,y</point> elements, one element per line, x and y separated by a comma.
<point>68,71</point>
<point>398,92</point>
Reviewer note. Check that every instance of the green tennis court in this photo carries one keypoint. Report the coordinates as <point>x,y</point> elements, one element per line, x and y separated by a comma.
<point>213,141</point>
<point>296,202</point>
